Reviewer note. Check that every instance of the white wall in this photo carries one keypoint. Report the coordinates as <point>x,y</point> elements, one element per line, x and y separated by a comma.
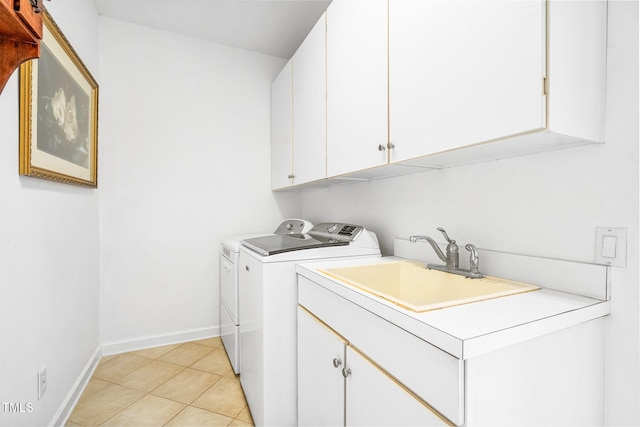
<point>48,258</point>
<point>176,131</point>
<point>184,162</point>
<point>547,204</point>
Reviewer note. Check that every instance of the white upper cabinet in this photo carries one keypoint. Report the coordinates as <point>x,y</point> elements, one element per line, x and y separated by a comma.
<point>481,80</point>
<point>282,129</point>
<point>385,87</point>
<point>463,72</point>
<point>357,101</point>
<point>310,106</point>
<point>577,68</point>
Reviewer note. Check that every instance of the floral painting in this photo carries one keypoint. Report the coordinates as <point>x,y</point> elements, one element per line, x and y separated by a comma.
<point>63,128</point>
<point>58,96</point>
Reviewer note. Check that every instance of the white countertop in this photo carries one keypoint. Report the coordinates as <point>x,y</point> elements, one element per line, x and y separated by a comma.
<point>469,330</point>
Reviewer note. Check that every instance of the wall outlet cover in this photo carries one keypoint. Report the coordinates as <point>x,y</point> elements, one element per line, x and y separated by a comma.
<point>611,246</point>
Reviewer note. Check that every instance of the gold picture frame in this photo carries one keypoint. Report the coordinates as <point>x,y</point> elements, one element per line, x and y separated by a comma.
<point>58,113</point>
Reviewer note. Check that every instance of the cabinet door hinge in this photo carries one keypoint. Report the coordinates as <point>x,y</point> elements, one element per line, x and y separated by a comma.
<point>545,86</point>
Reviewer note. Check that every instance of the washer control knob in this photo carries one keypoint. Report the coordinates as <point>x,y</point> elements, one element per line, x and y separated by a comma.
<point>332,228</point>
<point>289,226</point>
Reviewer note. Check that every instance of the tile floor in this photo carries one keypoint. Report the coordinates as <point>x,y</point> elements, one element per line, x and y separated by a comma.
<point>190,384</point>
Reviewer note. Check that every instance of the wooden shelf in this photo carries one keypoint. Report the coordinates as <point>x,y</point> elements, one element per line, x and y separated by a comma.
<point>20,34</point>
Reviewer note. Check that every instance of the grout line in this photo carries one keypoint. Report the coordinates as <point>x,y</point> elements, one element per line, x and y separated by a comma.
<point>213,348</point>
<point>123,409</point>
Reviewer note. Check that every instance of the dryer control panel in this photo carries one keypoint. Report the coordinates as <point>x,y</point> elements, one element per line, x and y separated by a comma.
<point>336,231</point>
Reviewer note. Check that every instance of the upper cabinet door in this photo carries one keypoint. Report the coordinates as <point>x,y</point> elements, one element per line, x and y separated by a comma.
<point>464,72</point>
<point>282,128</point>
<point>310,106</point>
<point>356,85</point>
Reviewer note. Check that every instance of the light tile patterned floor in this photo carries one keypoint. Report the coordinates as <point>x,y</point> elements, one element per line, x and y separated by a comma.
<point>190,384</point>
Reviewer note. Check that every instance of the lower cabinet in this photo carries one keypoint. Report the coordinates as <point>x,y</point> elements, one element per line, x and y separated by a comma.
<point>321,386</point>
<point>358,368</point>
<point>339,385</point>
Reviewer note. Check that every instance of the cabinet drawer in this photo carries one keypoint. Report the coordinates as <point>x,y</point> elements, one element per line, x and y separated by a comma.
<point>433,375</point>
<point>28,14</point>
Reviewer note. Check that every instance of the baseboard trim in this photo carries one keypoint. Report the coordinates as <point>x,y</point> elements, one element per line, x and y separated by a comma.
<point>64,412</point>
<point>158,340</point>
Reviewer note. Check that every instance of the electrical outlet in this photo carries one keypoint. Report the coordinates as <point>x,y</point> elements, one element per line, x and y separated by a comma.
<point>42,382</point>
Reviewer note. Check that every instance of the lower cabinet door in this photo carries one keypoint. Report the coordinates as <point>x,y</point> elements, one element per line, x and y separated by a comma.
<point>321,355</point>
<point>374,398</point>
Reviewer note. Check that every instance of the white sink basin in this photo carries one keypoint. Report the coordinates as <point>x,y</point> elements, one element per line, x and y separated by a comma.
<point>414,287</point>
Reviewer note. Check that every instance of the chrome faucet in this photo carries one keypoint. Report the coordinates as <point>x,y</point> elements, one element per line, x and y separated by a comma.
<point>452,257</point>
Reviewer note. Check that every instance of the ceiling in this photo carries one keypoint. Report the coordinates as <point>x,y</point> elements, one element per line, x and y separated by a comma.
<point>272,27</point>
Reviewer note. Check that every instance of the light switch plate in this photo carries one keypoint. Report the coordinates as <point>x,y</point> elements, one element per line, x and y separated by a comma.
<point>611,246</point>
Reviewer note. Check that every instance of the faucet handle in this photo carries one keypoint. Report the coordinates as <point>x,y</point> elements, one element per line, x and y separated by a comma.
<point>453,259</point>
<point>445,235</point>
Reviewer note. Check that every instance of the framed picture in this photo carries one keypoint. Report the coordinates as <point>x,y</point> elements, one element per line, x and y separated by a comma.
<point>58,113</point>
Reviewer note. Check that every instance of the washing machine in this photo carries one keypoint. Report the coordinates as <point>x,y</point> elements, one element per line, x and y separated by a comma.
<point>268,309</point>
<point>229,310</point>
